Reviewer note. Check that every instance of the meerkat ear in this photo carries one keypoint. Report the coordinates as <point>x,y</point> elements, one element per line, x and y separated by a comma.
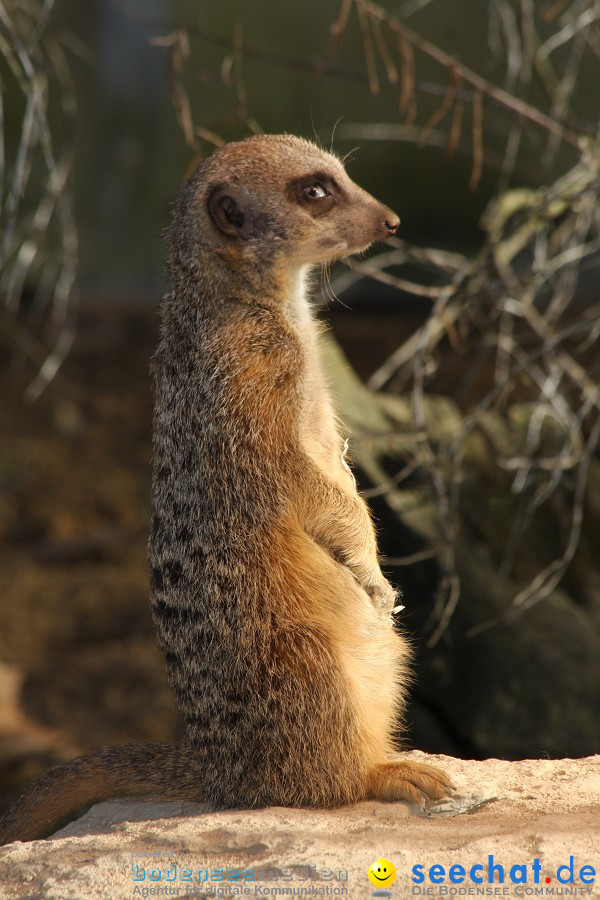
<point>225,211</point>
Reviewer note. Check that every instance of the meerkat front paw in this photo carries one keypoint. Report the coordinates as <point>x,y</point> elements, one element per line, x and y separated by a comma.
<point>383,596</point>
<point>408,780</point>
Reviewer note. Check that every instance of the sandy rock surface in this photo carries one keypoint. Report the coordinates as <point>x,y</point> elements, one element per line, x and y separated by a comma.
<point>517,812</point>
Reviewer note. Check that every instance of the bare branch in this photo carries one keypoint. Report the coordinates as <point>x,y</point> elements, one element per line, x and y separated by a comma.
<point>442,109</point>
<point>371,66</point>
<point>477,141</point>
<point>407,104</point>
<point>479,83</point>
<point>338,27</point>
<point>39,246</point>
<point>386,56</point>
<point>575,27</point>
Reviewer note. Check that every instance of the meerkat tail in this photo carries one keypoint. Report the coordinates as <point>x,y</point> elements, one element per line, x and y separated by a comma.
<point>151,771</point>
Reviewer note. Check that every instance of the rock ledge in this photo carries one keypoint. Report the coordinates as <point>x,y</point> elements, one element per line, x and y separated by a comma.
<point>517,812</point>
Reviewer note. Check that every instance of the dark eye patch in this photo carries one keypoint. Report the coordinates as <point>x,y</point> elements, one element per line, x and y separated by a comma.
<point>317,192</point>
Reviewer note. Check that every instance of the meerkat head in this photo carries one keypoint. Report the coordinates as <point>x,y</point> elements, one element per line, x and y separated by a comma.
<point>278,199</point>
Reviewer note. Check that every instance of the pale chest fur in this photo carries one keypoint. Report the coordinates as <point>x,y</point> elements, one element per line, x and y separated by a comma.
<point>320,434</point>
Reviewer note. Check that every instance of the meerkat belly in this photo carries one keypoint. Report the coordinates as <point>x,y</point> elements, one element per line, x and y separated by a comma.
<point>367,661</point>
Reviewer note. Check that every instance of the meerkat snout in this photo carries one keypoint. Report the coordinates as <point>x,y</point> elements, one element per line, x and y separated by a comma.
<point>391,224</point>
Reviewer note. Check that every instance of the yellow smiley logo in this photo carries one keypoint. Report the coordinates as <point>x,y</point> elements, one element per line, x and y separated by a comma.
<point>382,873</point>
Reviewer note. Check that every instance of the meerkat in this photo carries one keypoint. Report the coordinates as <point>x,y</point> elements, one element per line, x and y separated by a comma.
<point>266,592</point>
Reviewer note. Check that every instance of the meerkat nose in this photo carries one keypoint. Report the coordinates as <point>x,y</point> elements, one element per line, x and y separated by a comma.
<point>391,224</point>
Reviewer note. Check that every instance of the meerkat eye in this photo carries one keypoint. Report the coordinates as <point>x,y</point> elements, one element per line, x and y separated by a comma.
<point>315,191</point>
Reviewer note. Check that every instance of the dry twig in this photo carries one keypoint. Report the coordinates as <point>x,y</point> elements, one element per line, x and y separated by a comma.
<point>39,247</point>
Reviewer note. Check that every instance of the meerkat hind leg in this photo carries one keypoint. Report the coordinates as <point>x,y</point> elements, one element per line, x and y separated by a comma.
<point>407,780</point>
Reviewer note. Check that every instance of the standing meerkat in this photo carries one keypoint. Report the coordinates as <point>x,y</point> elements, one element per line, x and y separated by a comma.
<point>266,591</point>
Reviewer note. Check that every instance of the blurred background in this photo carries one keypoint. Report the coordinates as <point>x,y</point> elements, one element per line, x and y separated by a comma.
<point>463,352</point>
